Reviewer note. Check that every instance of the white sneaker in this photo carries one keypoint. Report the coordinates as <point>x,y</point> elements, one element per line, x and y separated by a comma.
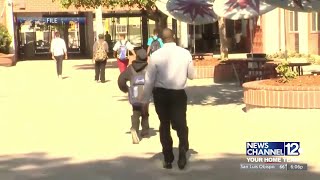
<point>135,137</point>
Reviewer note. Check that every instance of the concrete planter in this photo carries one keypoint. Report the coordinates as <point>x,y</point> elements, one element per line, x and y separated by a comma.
<point>7,60</point>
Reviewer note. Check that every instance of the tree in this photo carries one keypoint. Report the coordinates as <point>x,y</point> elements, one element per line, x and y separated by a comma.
<point>223,38</point>
<point>147,7</point>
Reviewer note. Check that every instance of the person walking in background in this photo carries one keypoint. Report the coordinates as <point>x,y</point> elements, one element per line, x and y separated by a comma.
<point>166,78</point>
<point>135,73</point>
<point>59,51</point>
<point>154,43</point>
<point>121,51</point>
<point>100,56</point>
<point>108,39</point>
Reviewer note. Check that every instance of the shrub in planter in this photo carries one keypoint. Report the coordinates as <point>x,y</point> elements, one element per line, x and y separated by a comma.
<point>5,40</point>
<point>286,72</point>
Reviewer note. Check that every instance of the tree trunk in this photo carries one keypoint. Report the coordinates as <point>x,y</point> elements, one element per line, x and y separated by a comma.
<point>223,39</point>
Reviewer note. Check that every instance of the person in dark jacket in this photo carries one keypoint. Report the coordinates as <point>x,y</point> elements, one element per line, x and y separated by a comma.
<point>138,65</point>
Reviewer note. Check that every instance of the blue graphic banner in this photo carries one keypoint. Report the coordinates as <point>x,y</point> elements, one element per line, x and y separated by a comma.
<point>52,20</point>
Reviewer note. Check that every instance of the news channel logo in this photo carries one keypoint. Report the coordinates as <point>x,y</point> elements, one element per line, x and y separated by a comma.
<point>273,148</point>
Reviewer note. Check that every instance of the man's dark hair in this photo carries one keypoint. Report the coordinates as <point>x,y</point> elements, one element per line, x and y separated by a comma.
<point>57,34</point>
<point>168,35</point>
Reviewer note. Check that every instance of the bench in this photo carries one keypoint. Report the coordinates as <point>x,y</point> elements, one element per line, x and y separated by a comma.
<point>315,72</point>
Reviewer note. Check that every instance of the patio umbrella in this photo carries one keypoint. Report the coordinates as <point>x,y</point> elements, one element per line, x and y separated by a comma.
<point>195,12</point>
<point>296,5</point>
<point>241,9</point>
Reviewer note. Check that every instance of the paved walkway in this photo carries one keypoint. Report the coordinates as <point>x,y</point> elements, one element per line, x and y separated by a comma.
<point>77,129</point>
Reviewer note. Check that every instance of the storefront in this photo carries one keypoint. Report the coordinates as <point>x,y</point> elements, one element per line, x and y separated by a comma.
<point>36,33</point>
<point>207,38</point>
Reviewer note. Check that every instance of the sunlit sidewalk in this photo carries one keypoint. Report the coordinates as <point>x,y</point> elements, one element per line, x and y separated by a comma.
<point>75,128</point>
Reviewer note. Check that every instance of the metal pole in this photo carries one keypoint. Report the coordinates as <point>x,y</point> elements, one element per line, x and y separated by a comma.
<point>285,35</point>
<point>194,38</point>
<point>251,35</point>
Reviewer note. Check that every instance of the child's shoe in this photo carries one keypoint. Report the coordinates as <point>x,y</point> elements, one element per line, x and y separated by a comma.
<point>135,137</point>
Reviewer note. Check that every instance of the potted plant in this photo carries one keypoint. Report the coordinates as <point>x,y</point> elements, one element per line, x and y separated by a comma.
<point>6,59</point>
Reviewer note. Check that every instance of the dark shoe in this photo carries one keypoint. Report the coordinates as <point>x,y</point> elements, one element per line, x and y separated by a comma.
<point>167,165</point>
<point>145,133</point>
<point>182,161</point>
<point>135,137</point>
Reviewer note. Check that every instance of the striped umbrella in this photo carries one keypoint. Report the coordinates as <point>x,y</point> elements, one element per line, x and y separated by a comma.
<point>241,9</point>
<point>195,12</point>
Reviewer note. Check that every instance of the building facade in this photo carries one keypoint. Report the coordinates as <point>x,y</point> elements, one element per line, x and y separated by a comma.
<point>297,32</point>
<point>35,21</point>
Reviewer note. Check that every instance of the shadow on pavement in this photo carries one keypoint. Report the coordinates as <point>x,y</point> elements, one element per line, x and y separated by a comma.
<point>216,94</point>
<point>38,167</point>
<point>152,132</point>
<point>90,66</point>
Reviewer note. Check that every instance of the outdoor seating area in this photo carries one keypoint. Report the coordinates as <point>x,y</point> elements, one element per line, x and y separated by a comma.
<point>251,69</point>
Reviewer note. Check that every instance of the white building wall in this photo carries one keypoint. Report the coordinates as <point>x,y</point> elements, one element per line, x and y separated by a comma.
<point>272,31</point>
<point>183,34</point>
<point>303,33</point>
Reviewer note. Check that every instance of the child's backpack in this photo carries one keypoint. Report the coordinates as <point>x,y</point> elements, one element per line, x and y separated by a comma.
<point>155,45</point>
<point>136,87</point>
<point>100,54</point>
<point>123,51</point>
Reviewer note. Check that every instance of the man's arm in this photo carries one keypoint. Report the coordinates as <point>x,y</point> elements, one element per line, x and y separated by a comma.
<point>131,48</point>
<point>52,49</point>
<point>115,49</point>
<point>150,78</point>
<point>65,50</point>
<point>149,44</point>
<point>148,50</point>
<point>191,71</point>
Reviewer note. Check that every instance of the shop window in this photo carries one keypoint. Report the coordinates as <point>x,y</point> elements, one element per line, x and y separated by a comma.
<point>121,28</point>
<point>315,22</point>
<point>293,21</point>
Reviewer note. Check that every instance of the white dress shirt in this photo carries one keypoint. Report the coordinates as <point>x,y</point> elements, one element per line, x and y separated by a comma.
<point>58,47</point>
<point>169,68</point>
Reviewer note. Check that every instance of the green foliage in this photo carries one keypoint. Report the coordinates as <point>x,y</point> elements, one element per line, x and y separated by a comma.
<point>286,72</point>
<point>146,4</point>
<point>278,55</point>
<point>5,40</point>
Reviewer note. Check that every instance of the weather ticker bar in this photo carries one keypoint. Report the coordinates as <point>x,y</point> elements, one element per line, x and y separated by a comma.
<point>274,166</point>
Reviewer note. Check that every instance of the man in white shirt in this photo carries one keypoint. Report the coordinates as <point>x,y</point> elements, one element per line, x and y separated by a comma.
<point>58,50</point>
<point>121,52</point>
<point>166,77</point>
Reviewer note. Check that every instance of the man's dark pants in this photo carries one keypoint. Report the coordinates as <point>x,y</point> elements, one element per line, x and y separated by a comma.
<point>171,107</point>
<point>100,70</point>
<point>59,60</point>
